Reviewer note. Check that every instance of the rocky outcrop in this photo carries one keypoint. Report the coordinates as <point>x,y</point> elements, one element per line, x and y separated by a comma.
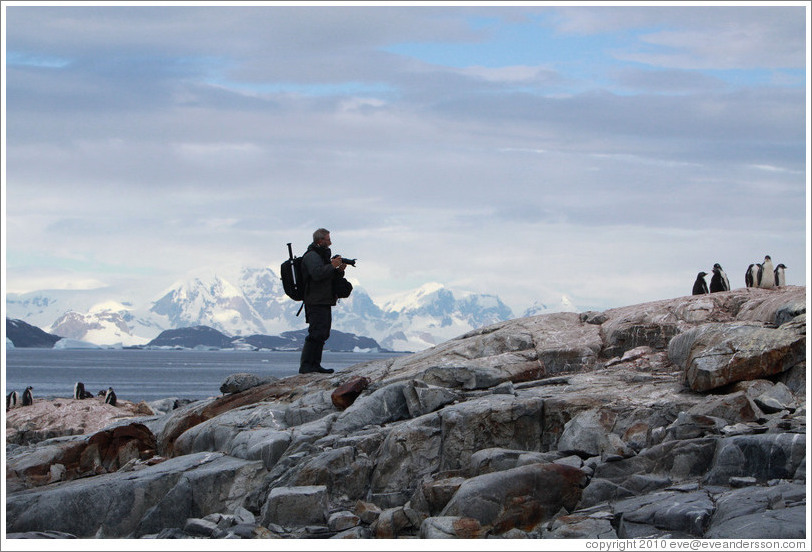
<point>682,418</point>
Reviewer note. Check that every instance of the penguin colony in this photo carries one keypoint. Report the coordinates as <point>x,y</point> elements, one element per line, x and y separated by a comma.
<point>13,398</point>
<point>761,275</point>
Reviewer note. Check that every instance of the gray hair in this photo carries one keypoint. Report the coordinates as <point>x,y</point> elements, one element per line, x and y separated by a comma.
<point>320,234</point>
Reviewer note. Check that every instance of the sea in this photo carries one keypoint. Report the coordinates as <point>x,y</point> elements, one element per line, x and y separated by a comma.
<point>151,374</point>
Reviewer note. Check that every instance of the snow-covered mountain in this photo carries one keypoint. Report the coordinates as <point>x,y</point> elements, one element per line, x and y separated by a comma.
<point>253,302</point>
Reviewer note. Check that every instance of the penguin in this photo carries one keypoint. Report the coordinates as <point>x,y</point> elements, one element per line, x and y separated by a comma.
<point>780,277</point>
<point>751,275</point>
<point>79,390</point>
<point>719,281</point>
<point>700,286</point>
<point>11,400</point>
<point>110,397</point>
<point>766,274</point>
<point>28,397</point>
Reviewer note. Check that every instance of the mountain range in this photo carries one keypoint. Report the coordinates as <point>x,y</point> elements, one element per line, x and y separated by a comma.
<point>252,302</point>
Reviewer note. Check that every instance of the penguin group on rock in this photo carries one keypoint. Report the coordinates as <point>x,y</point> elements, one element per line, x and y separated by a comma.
<point>13,398</point>
<point>761,275</point>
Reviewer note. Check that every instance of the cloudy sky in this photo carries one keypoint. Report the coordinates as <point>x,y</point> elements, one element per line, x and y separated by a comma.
<point>606,154</point>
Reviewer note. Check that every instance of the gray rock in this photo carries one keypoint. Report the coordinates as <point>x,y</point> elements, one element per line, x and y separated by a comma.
<point>295,506</point>
<point>581,526</point>
<point>765,457</point>
<point>500,421</point>
<point>379,407</point>
<point>668,510</point>
<point>424,399</point>
<point>589,434</point>
<point>411,451</point>
<point>718,354</point>
<point>236,383</point>
<point>200,527</point>
<point>776,398</point>
<point>130,504</point>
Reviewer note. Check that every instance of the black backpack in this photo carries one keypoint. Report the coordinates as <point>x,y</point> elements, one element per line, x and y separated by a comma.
<point>292,277</point>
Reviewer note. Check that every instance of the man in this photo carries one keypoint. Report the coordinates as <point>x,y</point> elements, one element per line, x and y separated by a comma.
<point>319,269</point>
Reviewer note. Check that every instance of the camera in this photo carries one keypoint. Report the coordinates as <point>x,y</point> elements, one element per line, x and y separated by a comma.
<point>345,260</point>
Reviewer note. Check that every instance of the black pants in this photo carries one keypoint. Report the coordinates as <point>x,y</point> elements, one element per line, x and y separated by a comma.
<point>320,319</point>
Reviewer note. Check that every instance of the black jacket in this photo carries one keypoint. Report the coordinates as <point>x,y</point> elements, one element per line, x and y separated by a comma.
<point>319,274</point>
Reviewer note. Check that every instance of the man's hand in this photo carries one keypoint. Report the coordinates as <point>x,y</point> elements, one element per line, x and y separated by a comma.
<point>338,263</point>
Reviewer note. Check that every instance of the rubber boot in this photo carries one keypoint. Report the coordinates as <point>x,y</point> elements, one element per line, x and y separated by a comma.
<point>317,361</point>
<point>317,351</point>
<point>307,362</point>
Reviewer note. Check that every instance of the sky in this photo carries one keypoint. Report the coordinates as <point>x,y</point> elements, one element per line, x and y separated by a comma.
<point>606,153</point>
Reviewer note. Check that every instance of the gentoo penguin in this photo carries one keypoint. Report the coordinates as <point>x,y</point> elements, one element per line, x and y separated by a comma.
<point>766,274</point>
<point>719,281</point>
<point>110,397</point>
<point>700,286</point>
<point>79,390</point>
<point>780,277</point>
<point>751,277</point>
<point>11,400</point>
<point>28,397</point>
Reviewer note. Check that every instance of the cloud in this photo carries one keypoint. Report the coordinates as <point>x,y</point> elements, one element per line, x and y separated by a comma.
<point>164,139</point>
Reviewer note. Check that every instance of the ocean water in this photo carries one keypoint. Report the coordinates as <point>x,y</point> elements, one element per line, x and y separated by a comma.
<point>147,375</point>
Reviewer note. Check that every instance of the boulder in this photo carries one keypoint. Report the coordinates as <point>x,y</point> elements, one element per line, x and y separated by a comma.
<point>518,498</point>
<point>236,383</point>
<point>715,355</point>
<point>384,405</point>
<point>130,504</point>
<point>346,393</point>
<point>685,513</point>
<point>500,421</point>
<point>296,506</point>
<point>767,456</point>
<point>451,527</point>
<point>409,453</point>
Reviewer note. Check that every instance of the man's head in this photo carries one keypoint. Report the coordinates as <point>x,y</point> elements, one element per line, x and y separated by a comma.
<point>322,237</point>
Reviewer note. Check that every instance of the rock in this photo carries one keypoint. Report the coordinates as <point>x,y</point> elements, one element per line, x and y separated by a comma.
<point>346,393</point>
<point>394,522</point>
<point>46,419</point>
<point>382,406</point>
<point>367,511</point>
<point>589,434</point>
<point>522,429</point>
<point>425,399</point>
<point>343,520</point>
<point>236,383</point>
<point>760,512</point>
<point>518,498</point>
<point>296,506</point>
<point>776,398</point>
<point>451,527</point>
<point>411,452</point>
<point>581,526</point>
<point>765,457</point>
<point>715,355</point>
<point>501,421</point>
<point>131,504</point>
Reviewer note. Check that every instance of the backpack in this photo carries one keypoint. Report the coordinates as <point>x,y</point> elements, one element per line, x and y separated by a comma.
<point>292,277</point>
